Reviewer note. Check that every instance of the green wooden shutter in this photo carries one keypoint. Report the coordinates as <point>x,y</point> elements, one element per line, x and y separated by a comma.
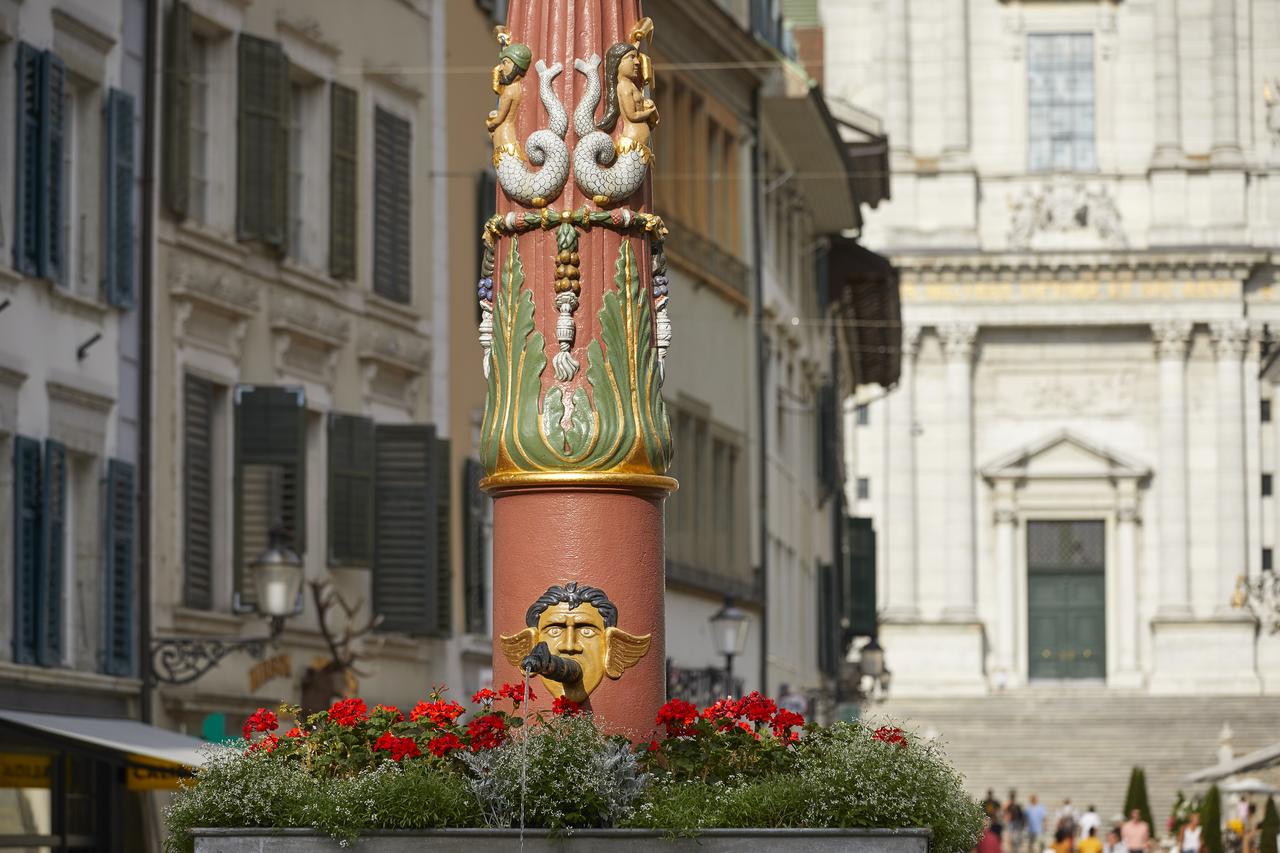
<point>351,457</point>
<point>271,466</point>
<point>406,529</point>
<point>118,263</point>
<point>829,633</point>
<point>392,215</point>
<point>263,150</point>
<point>444,524</point>
<point>860,577</point>
<point>197,493</point>
<point>179,45</point>
<point>53,142</point>
<point>828,440</point>
<point>118,524</point>
<point>474,547</point>
<point>344,125</point>
<point>27,505</point>
<point>52,587</point>
<point>27,170</point>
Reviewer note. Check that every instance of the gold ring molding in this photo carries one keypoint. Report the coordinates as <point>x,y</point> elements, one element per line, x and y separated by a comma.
<point>498,483</point>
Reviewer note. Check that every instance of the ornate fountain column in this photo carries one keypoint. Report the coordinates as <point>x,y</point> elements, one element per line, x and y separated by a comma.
<point>574,329</point>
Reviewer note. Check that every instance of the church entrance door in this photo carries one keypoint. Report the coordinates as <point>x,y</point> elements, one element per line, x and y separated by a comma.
<point>1066,599</point>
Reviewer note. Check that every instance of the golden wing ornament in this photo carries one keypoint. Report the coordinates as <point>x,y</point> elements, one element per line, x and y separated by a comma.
<point>622,651</point>
<point>515,647</point>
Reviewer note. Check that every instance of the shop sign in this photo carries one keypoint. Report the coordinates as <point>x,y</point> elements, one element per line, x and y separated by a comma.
<point>24,770</point>
<point>146,776</point>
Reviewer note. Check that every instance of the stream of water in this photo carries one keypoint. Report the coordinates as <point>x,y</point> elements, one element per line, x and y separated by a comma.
<point>524,754</point>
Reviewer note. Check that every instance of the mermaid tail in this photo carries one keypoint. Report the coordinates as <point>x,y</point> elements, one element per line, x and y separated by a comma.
<point>545,148</point>
<point>622,174</point>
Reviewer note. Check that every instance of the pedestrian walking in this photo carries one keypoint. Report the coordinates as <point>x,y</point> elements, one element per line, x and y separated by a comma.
<point>1089,820</point>
<point>1090,843</point>
<point>1015,823</point>
<point>1063,841</point>
<point>1135,833</point>
<point>1034,816</point>
<point>1066,818</point>
<point>990,842</point>
<point>1190,835</point>
<point>1112,844</point>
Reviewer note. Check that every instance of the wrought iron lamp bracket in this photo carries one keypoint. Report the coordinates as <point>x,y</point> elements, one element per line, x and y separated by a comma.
<point>182,660</point>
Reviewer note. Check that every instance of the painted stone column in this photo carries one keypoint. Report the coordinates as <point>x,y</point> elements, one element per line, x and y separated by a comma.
<point>957,344</point>
<point>1006,545</point>
<point>1229,340</point>
<point>1127,577</point>
<point>901,600</point>
<point>1168,151</point>
<point>575,440</point>
<point>1226,132</point>
<point>1171,337</point>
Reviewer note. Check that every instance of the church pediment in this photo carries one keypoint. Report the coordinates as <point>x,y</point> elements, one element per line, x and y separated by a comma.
<point>1064,455</point>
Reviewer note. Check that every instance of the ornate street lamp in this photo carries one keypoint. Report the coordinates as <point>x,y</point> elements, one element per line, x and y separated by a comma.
<point>874,676</point>
<point>277,579</point>
<point>729,627</point>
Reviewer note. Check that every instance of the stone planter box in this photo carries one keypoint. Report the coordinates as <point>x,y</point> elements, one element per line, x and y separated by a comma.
<point>582,841</point>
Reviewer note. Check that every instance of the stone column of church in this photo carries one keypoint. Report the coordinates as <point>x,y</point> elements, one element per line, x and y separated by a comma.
<point>1171,337</point>
<point>575,441</point>
<point>1127,577</point>
<point>1229,340</point>
<point>1006,544</point>
<point>897,108</point>
<point>901,600</point>
<point>1168,89</point>
<point>1226,132</point>
<point>957,343</point>
<point>1253,446</point>
<point>955,84</point>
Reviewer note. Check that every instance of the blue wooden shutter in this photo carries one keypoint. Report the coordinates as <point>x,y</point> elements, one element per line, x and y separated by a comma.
<point>118,644</point>
<point>118,264</point>
<point>406,591</point>
<point>26,173</point>
<point>52,587</point>
<point>27,503</point>
<point>53,141</point>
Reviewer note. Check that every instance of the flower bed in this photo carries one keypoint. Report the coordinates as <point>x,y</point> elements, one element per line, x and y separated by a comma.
<point>353,771</point>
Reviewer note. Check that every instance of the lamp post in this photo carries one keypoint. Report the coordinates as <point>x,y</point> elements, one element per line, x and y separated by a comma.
<point>277,580</point>
<point>874,676</point>
<point>729,627</point>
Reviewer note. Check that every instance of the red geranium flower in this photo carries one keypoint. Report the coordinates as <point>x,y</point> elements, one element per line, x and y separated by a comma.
<point>260,720</point>
<point>677,716</point>
<point>267,744</point>
<point>399,747</point>
<point>392,710</point>
<point>757,708</point>
<point>484,697</point>
<point>517,693</point>
<point>486,732</point>
<point>784,720</point>
<point>564,707</point>
<point>444,744</point>
<point>439,713</point>
<point>891,734</point>
<point>653,746</point>
<point>349,712</point>
<point>295,732</point>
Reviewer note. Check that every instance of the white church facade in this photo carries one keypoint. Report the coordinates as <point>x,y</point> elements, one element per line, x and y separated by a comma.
<point>1078,460</point>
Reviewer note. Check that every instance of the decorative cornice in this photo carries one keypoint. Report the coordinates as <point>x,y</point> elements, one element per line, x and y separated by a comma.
<point>79,397</point>
<point>226,292</point>
<point>387,347</point>
<point>1171,337</point>
<point>308,30</point>
<point>1230,337</point>
<point>93,33</point>
<point>302,317</point>
<point>910,339</point>
<point>980,267</point>
<point>958,339</point>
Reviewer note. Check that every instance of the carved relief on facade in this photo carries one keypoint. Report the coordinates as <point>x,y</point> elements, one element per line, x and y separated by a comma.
<point>392,367</point>
<point>308,337</point>
<point>1081,393</point>
<point>1057,213</point>
<point>211,305</point>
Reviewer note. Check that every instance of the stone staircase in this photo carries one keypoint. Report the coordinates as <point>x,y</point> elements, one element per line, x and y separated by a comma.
<point>1081,742</point>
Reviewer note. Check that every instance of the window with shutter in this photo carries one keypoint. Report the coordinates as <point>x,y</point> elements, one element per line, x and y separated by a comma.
<point>270,474</point>
<point>475,548</point>
<point>406,570</point>
<point>27,171</point>
<point>53,547</point>
<point>118,264</point>
<point>351,459</point>
<point>177,110</point>
<point>263,150</point>
<point>828,622</point>
<point>344,128</point>
<point>54,218</point>
<point>859,581</point>
<point>28,503</point>
<point>444,559</point>
<point>197,492</point>
<point>118,526</point>
<point>392,206</point>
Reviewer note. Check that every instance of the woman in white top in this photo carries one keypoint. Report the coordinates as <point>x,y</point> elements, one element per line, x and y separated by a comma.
<point>1189,836</point>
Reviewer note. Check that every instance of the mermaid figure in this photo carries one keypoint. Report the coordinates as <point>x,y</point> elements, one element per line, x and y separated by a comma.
<point>607,170</point>
<point>546,147</point>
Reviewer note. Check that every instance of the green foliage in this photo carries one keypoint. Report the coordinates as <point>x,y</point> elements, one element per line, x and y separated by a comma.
<point>1136,797</point>
<point>843,776</point>
<point>1269,828</point>
<point>1183,807</point>
<point>1211,820</point>
<point>540,760</point>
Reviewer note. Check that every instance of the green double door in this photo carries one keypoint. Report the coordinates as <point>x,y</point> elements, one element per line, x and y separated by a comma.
<point>1066,599</point>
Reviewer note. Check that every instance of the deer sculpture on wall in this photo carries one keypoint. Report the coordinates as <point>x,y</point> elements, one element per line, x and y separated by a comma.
<point>337,676</point>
